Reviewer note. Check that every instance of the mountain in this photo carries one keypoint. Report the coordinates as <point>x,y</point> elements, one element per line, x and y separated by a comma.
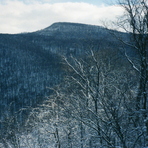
<point>31,62</point>
<point>64,30</point>
<point>74,38</point>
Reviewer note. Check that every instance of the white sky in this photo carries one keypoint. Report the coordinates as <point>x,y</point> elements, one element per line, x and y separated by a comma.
<point>18,16</point>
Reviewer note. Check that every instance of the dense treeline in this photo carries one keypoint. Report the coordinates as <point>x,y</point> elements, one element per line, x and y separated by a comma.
<point>26,71</point>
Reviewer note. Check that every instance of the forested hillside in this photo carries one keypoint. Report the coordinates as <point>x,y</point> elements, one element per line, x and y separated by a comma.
<point>74,85</point>
<point>31,62</point>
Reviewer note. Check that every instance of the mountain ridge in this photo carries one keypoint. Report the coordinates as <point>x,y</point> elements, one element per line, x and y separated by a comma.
<point>72,30</point>
<point>31,62</point>
<point>61,25</point>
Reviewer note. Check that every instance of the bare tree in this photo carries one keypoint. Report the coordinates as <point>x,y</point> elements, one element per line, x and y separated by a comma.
<point>100,95</point>
<point>135,22</point>
<point>93,107</point>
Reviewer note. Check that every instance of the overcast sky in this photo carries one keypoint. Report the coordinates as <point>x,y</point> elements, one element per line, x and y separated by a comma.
<point>18,16</point>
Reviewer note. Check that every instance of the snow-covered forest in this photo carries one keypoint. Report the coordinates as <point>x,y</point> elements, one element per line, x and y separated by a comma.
<point>73,85</point>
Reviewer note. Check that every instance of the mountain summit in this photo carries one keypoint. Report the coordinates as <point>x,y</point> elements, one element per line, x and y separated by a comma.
<point>72,30</point>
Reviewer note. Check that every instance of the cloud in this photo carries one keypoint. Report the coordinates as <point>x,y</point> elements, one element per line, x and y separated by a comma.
<point>18,16</point>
